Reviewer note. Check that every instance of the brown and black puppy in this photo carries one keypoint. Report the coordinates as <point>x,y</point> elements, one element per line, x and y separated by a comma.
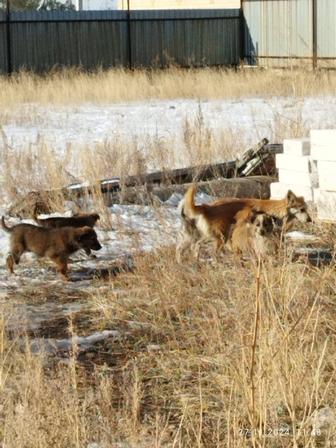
<point>80,220</point>
<point>259,235</point>
<point>56,244</point>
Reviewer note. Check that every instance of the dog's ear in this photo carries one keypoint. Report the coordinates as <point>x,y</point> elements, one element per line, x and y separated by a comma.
<point>252,216</point>
<point>85,229</point>
<point>82,231</point>
<point>277,222</point>
<point>291,197</point>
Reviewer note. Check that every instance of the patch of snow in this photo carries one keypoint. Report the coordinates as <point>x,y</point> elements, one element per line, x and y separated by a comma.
<point>28,317</point>
<point>318,251</point>
<point>174,200</point>
<point>301,236</point>
<point>67,213</point>
<point>53,346</point>
<point>89,124</point>
<point>203,198</point>
<point>81,185</point>
<point>153,347</point>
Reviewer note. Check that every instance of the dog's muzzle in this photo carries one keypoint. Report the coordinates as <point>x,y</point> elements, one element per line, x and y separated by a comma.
<point>97,246</point>
<point>302,216</point>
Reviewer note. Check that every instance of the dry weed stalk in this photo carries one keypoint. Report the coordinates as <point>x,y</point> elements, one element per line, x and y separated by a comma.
<point>253,416</point>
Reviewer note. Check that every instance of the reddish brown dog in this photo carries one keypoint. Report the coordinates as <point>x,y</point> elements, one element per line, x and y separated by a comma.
<point>56,244</point>
<point>214,221</point>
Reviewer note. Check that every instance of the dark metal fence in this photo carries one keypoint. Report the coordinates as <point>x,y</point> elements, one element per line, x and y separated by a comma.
<point>41,40</point>
<point>266,32</point>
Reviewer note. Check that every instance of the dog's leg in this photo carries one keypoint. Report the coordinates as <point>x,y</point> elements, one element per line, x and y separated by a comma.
<point>238,258</point>
<point>64,270</point>
<point>14,257</point>
<point>182,247</point>
<point>197,246</point>
<point>62,265</point>
<point>219,243</point>
<point>218,246</point>
<point>89,253</point>
<point>10,263</point>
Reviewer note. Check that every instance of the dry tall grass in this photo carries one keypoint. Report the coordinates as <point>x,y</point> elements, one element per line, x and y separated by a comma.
<point>74,87</point>
<point>39,167</point>
<point>210,356</point>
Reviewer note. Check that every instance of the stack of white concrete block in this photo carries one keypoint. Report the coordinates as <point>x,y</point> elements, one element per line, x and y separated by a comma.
<point>297,170</point>
<point>323,150</point>
<point>308,168</point>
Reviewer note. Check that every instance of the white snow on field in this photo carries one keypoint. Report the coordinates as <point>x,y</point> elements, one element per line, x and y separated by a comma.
<point>85,125</point>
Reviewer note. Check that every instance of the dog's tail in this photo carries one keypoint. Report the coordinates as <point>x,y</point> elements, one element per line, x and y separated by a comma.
<point>3,225</point>
<point>187,207</point>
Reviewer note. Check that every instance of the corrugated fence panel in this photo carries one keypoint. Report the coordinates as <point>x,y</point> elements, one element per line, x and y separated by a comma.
<point>42,40</point>
<point>289,28</point>
<point>3,43</point>
<point>278,31</point>
<point>187,37</point>
<point>326,32</point>
<point>275,32</point>
<point>252,31</point>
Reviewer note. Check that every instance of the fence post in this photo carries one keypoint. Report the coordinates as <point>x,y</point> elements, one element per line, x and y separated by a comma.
<point>8,39</point>
<point>314,14</point>
<point>129,36</point>
<point>242,32</point>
